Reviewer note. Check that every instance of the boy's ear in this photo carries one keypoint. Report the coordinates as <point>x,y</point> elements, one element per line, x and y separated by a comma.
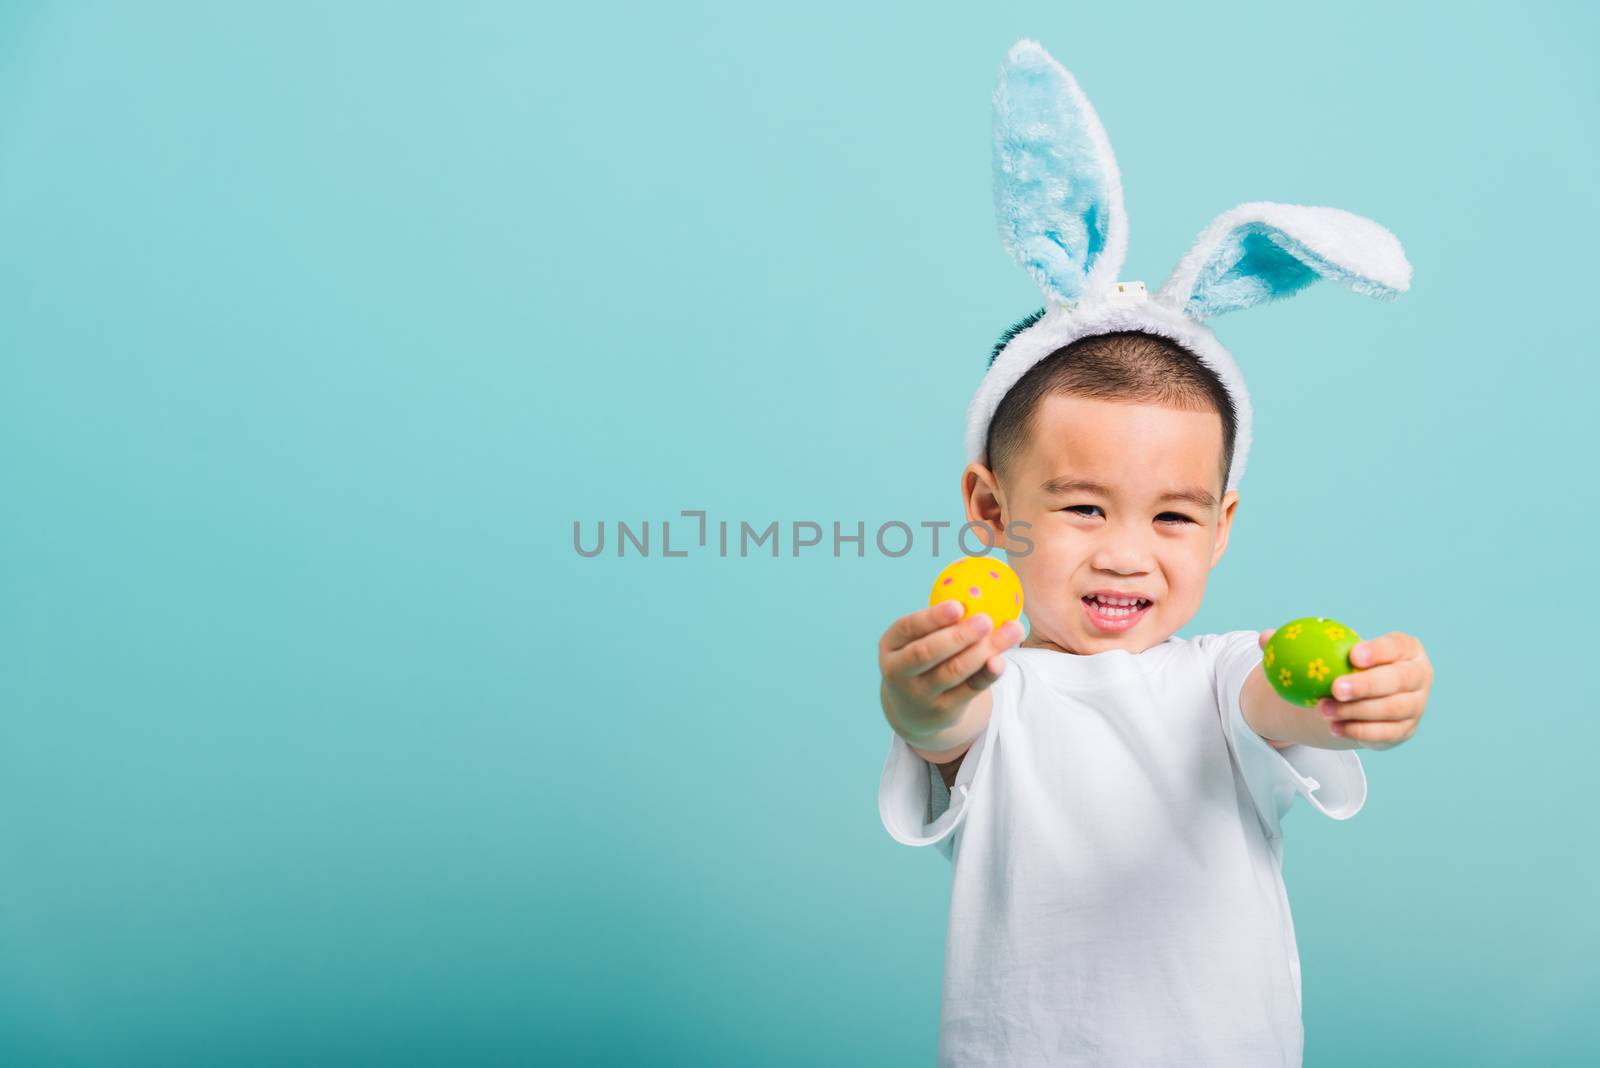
<point>1225,512</point>
<point>1262,251</point>
<point>980,491</point>
<point>1057,191</point>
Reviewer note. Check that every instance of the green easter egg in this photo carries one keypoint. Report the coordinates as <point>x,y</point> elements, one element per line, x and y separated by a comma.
<point>1304,656</point>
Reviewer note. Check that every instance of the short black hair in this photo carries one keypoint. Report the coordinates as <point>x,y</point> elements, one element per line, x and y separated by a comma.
<point>1131,365</point>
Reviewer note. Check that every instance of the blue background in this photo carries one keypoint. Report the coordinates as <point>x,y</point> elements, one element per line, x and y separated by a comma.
<point>320,327</point>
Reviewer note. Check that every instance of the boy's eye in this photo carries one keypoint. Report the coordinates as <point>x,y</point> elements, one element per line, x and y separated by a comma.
<point>1164,517</point>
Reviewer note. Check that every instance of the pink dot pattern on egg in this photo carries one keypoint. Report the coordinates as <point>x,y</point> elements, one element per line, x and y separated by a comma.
<point>947,582</point>
<point>974,591</point>
<point>994,574</point>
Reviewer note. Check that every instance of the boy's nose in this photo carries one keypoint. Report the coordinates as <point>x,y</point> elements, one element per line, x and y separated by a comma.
<point>1122,560</point>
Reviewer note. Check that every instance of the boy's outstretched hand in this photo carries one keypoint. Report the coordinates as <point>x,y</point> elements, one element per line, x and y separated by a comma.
<point>1379,706</point>
<point>934,665</point>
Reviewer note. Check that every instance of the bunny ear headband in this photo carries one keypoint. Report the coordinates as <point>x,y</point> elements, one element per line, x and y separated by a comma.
<point>1058,200</point>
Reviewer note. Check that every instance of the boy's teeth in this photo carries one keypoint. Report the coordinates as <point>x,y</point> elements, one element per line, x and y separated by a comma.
<point>1117,607</point>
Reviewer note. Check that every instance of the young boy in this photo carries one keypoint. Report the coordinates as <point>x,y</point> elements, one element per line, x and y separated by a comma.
<point>1110,794</point>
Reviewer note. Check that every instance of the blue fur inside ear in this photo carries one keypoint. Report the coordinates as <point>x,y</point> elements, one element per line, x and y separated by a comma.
<point>1258,263</point>
<point>1050,182</point>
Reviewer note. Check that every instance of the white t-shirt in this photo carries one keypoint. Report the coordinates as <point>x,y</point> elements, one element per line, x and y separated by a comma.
<point>1117,894</point>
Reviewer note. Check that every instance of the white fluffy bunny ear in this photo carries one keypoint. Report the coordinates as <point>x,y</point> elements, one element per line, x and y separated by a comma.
<point>1262,251</point>
<point>1057,191</point>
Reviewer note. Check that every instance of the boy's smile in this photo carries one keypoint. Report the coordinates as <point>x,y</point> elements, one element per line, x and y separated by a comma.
<point>1121,504</point>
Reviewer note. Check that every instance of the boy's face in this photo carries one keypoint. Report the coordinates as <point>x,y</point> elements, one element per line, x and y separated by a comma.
<point>1114,532</point>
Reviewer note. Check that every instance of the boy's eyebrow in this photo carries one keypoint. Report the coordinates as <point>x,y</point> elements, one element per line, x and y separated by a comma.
<point>1198,497</point>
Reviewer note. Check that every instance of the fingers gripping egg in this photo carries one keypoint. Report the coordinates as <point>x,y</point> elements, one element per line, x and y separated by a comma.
<point>1304,656</point>
<point>981,584</point>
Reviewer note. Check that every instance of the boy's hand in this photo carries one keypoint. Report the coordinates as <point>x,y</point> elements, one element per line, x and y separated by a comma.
<point>933,665</point>
<point>1379,706</point>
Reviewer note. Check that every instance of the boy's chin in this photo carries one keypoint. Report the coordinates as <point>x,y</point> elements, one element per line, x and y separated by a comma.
<point>1144,634</point>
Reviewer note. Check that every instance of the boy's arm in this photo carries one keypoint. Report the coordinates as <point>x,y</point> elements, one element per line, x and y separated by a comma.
<point>1283,723</point>
<point>973,722</point>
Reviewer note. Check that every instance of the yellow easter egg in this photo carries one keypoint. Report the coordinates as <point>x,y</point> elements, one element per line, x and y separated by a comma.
<point>982,584</point>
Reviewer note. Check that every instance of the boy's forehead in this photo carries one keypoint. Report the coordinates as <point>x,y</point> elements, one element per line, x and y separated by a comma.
<point>1137,447</point>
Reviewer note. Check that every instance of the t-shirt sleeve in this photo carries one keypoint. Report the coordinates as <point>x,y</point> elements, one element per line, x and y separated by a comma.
<point>913,803</point>
<point>1332,780</point>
